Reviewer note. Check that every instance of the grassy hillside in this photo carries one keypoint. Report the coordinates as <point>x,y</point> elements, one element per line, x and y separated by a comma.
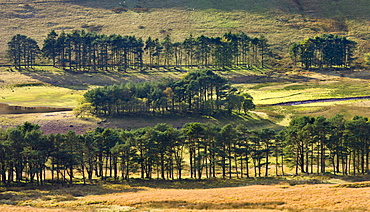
<point>281,21</point>
<point>57,88</point>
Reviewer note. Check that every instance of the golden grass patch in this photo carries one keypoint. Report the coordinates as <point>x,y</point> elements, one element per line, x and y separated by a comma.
<point>303,197</point>
<point>295,194</point>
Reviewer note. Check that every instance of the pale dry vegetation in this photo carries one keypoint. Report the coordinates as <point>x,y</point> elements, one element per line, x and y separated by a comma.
<point>280,194</point>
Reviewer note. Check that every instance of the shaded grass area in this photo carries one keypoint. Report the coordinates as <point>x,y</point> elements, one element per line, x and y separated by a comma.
<point>348,109</point>
<point>311,86</point>
<point>251,120</point>
<point>70,192</point>
<point>224,183</point>
<point>353,185</point>
<point>49,86</point>
<point>66,197</point>
<point>208,206</point>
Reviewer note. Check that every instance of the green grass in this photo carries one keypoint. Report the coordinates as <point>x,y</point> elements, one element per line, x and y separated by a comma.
<point>337,88</point>
<point>272,93</point>
<point>348,109</point>
<point>41,96</point>
<point>57,88</point>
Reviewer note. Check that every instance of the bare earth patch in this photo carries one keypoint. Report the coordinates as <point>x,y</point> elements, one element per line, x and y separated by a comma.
<point>56,122</point>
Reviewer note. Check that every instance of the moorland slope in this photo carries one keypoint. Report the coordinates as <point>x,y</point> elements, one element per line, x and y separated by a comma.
<point>282,22</point>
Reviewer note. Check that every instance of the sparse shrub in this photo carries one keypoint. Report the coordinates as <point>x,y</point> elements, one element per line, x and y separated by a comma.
<point>76,193</point>
<point>25,6</point>
<point>96,28</point>
<point>140,9</point>
<point>46,198</point>
<point>164,32</point>
<point>85,26</point>
<point>92,27</point>
<point>30,84</point>
<point>82,110</point>
<point>7,195</point>
<point>353,185</point>
<point>119,9</point>
<point>367,58</point>
<point>67,197</point>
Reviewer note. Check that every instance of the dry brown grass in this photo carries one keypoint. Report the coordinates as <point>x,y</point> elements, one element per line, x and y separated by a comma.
<point>282,196</point>
<point>10,78</point>
<point>305,197</point>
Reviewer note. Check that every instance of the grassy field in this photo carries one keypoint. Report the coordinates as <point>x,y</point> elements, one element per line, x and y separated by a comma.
<point>270,194</point>
<point>310,85</point>
<point>56,88</point>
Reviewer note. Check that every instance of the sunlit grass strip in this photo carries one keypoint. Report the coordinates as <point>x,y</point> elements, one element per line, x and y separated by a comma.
<point>278,96</point>
<point>332,103</point>
<point>49,96</point>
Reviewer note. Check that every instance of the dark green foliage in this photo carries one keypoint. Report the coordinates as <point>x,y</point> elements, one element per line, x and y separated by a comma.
<point>50,48</point>
<point>311,145</point>
<point>323,51</point>
<point>22,51</point>
<point>83,51</point>
<point>201,92</point>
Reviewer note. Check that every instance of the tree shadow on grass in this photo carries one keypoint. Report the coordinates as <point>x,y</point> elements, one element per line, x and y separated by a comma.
<point>60,193</point>
<point>209,206</point>
<point>57,193</point>
<point>76,81</point>
<point>135,121</point>
<point>219,182</point>
<point>342,72</point>
<point>82,80</point>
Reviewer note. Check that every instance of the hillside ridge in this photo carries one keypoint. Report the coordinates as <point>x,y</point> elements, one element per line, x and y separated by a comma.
<point>282,22</point>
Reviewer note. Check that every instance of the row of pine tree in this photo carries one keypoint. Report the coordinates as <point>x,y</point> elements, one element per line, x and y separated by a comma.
<point>83,51</point>
<point>308,145</point>
<point>324,51</point>
<point>80,51</point>
<point>199,92</point>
